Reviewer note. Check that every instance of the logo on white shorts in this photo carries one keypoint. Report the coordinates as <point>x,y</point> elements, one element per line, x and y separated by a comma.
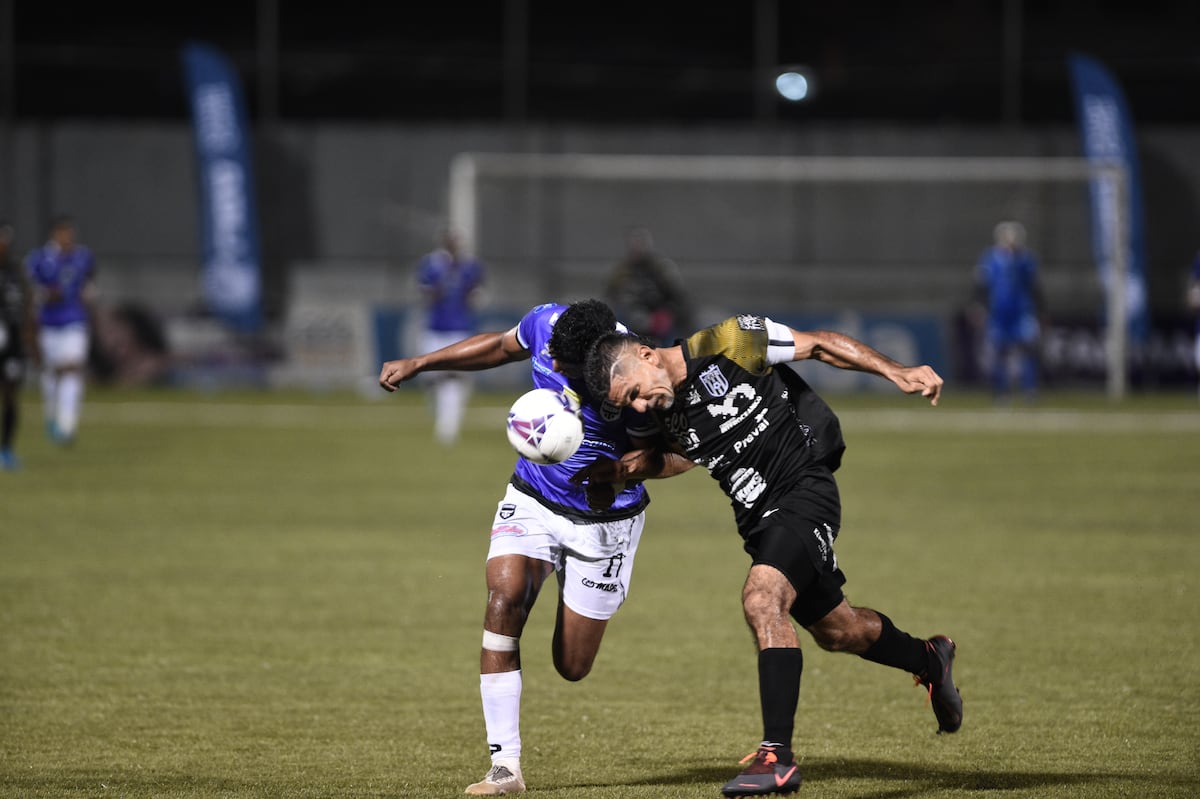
<point>508,529</point>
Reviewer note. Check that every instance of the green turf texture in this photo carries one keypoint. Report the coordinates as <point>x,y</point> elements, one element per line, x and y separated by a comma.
<point>281,595</point>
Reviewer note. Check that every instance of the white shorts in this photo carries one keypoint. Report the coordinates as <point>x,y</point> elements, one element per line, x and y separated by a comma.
<point>594,562</point>
<point>64,346</point>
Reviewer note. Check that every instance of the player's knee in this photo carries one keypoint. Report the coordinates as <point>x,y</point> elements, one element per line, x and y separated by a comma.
<point>574,669</point>
<point>505,612</point>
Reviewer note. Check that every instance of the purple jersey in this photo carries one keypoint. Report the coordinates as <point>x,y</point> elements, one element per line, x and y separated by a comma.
<point>51,267</point>
<point>606,431</point>
<point>449,283</point>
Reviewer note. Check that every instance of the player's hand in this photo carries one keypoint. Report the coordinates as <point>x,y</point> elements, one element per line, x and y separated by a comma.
<point>396,372</point>
<point>921,380</point>
<point>601,481</point>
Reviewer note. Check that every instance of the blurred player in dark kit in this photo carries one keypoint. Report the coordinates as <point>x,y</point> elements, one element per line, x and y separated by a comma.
<point>17,331</point>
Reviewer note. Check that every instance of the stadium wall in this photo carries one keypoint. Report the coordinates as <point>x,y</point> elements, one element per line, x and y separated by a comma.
<point>346,211</point>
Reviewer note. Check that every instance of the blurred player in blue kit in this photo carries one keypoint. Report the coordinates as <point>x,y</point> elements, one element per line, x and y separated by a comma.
<point>1008,290</point>
<point>545,523</point>
<point>17,331</point>
<point>63,273</point>
<point>450,282</point>
<point>727,401</point>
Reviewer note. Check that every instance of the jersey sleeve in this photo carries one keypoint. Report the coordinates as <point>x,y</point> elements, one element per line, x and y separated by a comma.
<point>781,346</point>
<point>530,332</point>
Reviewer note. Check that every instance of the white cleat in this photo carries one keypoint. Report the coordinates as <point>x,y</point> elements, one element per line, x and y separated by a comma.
<point>504,777</point>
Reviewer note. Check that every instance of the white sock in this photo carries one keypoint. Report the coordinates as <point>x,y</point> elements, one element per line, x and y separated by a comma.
<point>501,695</point>
<point>70,397</point>
<point>49,381</point>
<point>450,401</point>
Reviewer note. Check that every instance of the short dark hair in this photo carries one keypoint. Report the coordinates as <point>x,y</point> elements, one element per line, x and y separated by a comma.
<point>604,352</point>
<point>577,327</point>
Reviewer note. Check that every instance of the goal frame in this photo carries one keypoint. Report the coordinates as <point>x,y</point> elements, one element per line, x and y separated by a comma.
<point>1110,177</point>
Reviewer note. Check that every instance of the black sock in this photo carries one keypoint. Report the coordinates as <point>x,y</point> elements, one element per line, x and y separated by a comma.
<point>779,692</point>
<point>7,425</point>
<point>898,649</point>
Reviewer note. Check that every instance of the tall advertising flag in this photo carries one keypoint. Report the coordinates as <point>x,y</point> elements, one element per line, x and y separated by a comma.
<point>229,248</point>
<point>1106,129</point>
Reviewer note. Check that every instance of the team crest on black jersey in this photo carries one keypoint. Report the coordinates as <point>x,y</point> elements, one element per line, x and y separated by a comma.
<point>714,382</point>
<point>748,322</point>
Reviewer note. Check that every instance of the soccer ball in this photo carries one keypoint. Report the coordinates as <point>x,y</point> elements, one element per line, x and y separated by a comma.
<point>544,426</point>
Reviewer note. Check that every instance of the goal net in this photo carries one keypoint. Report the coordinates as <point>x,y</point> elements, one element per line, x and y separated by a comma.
<point>826,238</point>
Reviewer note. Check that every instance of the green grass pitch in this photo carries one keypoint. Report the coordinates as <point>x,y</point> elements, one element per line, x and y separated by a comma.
<point>281,595</point>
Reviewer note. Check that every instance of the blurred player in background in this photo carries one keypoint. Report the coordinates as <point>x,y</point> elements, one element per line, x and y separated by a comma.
<point>1008,294</point>
<point>545,524</point>
<point>646,290</point>
<point>728,402</point>
<point>450,283</point>
<point>17,331</point>
<point>63,273</point>
<point>1193,302</point>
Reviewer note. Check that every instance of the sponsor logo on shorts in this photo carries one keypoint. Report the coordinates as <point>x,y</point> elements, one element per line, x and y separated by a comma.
<point>507,510</point>
<point>508,529</point>
<point>610,588</point>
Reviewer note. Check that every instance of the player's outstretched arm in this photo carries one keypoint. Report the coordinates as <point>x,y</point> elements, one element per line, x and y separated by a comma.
<point>474,353</point>
<point>844,352</point>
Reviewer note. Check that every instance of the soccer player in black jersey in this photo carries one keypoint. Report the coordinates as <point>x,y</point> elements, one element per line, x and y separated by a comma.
<point>726,402</point>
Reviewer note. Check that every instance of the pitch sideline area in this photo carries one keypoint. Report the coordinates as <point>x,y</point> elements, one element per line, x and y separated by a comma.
<point>488,413</point>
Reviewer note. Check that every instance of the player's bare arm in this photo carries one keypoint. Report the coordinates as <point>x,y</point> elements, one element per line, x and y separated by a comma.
<point>604,477</point>
<point>844,352</point>
<point>474,353</point>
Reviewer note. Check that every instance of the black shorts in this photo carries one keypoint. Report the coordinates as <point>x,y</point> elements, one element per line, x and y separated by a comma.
<point>798,540</point>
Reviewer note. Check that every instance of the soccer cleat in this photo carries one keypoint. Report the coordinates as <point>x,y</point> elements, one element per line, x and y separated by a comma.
<point>943,695</point>
<point>503,777</point>
<point>765,775</point>
<point>8,461</point>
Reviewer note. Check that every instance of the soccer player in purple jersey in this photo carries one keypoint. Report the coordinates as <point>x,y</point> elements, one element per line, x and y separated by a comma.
<point>726,401</point>
<point>545,523</point>
<point>450,282</point>
<point>62,272</point>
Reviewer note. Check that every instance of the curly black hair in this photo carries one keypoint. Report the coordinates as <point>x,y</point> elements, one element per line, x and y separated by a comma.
<point>581,324</point>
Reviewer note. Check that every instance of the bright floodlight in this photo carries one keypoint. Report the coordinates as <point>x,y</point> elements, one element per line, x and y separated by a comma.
<point>792,86</point>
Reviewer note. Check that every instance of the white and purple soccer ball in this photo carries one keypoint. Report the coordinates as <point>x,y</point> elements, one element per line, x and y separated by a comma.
<point>544,426</point>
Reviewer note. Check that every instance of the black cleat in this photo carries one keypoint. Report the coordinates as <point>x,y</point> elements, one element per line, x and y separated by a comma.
<point>766,775</point>
<point>943,695</point>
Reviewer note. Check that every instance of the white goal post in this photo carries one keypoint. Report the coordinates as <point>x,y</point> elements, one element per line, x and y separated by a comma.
<point>468,168</point>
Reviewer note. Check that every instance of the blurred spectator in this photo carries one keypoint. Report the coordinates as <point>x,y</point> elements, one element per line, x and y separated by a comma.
<point>130,347</point>
<point>63,273</point>
<point>646,291</point>
<point>1008,303</point>
<point>450,282</point>
<point>17,331</point>
<point>1193,301</point>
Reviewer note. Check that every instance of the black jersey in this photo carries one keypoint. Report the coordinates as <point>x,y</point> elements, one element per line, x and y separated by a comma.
<point>14,310</point>
<point>14,295</point>
<point>757,430</point>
